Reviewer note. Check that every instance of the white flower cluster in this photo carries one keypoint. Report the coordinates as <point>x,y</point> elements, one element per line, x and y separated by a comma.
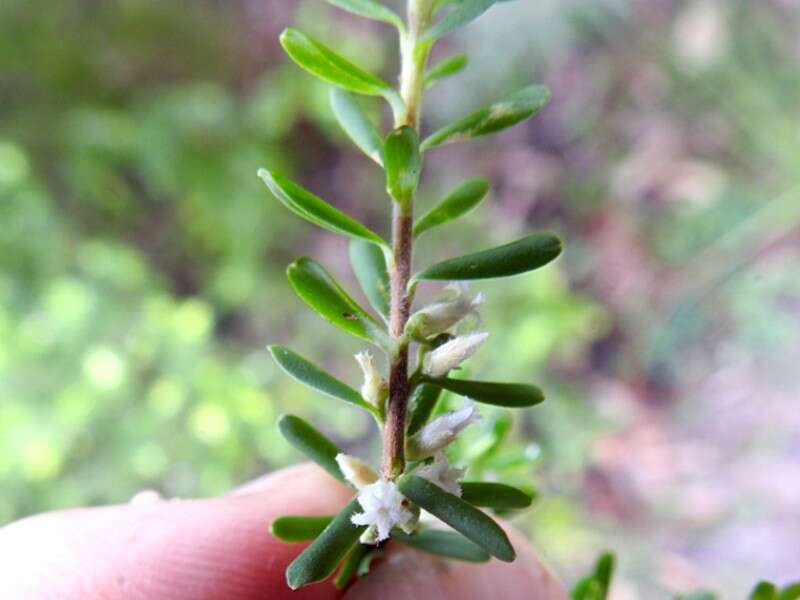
<point>383,506</point>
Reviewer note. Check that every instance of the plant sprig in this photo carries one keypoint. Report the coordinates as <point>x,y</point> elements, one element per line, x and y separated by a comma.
<point>415,474</point>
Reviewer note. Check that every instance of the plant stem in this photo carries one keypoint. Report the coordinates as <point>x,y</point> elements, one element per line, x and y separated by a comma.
<point>400,303</point>
<point>414,55</point>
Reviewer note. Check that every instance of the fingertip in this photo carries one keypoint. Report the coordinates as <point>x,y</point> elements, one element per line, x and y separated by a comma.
<point>217,548</point>
<point>407,573</point>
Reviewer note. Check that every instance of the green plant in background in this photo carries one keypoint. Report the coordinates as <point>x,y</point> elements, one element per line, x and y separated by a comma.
<point>415,473</point>
<point>596,584</point>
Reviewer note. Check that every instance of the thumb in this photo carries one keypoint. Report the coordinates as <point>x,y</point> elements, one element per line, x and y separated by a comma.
<point>408,574</point>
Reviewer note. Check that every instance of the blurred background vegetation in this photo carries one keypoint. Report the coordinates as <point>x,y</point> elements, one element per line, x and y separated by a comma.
<point>142,263</point>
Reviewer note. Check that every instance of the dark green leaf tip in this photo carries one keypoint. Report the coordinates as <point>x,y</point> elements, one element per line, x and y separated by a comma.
<point>308,440</point>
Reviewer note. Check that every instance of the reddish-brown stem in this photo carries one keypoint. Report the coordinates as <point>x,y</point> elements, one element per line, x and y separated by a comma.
<point>400,303</point>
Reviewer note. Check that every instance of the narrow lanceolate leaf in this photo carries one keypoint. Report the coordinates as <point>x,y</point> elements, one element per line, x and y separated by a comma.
<point>296,528</point>
<point>461,516</point>
<point>356,125</point>
<point>369,265</point>
<point>512,395</point>
<point>445,68</point>
<point>494,495</point>
<point>457,203</point>
<point>461,14</point>
<point>443,543</point>
<point>350,565</point>
<point>319,560</point>
<point>311,375</point>
<point>422,404</point>
<point>317,288</point>
<point>305,438</point>
<point>312,208</point>
<point>500,115</point>
<point>319,60</point>
<point>402,162</point>
<point>524,255</point>
<point>370,10</point>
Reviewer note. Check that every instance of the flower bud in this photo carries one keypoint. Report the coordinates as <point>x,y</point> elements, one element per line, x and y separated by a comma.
<point>356,471</point>
<point>440,473</point>
<point>441,316</point>
<point>441,431</point>
<point>451,354</point>
<point>375,389</point>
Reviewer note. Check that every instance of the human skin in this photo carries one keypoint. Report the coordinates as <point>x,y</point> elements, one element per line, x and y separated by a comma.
<point>220,549</point>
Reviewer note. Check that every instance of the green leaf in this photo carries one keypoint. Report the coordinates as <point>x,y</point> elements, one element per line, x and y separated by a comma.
<point>296,528</point>
<point>311,375</point>
<point>402,162</point>
<point>312,208</point>
<point>461,516</point>
<point>356,125</point>
<point>596,585</point>
<point>460,15</point>
<point>319,60</point>
<point>494,495</point>
<point>604,571</point>
<point>790,592</point>
<point>697,596</point>
<point>445,68</point>
<point>524,255</point>
<point>350,566</point>
<point>366,563</point>
<point>317,288</point>
<point>764,590</point>
<point>305,438</point>
<point>512,395</point>
<point>500,115</point>
<point>323,555</point>
<point>370,10</point>
<point>443,543</point>
<point>588,589</point>
<point>422,404</point>
<point>457,203</point>
<point>369,265</point>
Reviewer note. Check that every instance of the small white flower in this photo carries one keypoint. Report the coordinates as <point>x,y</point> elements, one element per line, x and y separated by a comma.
<point>375,388</point>
<point>440,473</point>
<point>384,507</point>
<point>448,356</point>
<point>441,316</point>
<point>441,431</point>
<point>356,471</point>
